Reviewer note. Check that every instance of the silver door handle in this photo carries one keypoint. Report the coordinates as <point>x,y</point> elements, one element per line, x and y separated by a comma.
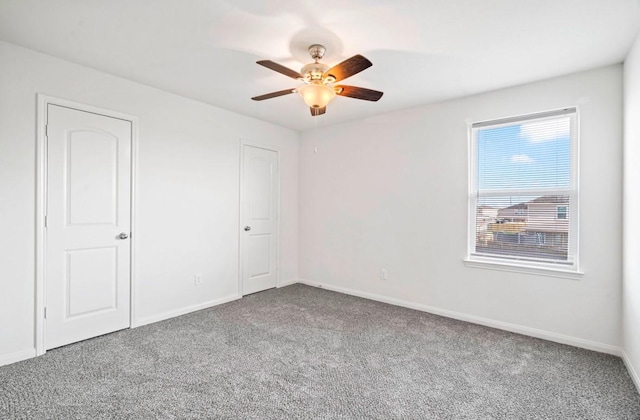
<point>123,236</point>
<point>247,228</point>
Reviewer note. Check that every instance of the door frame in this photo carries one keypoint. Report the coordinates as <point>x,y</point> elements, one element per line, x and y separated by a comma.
<point>43,101</point>
<point>271,148</point>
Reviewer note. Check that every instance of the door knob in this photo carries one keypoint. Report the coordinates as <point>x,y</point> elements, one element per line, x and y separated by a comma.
<point>247,228</point>
<point>123,236</point>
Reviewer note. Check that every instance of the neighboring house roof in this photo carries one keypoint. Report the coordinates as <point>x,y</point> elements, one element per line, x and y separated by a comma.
<point>517,206</point>
<point>553,199</point>
<point>545,199</point>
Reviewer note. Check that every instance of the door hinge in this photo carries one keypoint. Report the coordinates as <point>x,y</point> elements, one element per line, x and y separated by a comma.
<point>46,130</point>
<point>45,221</point>
<point>45,313</point>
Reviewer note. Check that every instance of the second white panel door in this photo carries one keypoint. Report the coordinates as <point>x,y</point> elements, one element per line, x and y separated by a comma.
<point>260,204</point>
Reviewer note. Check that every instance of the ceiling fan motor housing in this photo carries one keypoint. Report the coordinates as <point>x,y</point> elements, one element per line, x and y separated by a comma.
<point>313,71</point>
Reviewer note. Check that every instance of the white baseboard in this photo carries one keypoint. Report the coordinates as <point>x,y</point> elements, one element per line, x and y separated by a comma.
<point>519,329</point>
<point>632,371</point>
<point>287,283</point>
<point>18,356</point>
<point>182,311</point>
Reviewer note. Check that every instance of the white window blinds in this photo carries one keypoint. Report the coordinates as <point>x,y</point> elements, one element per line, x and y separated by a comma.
<point>523,198</point>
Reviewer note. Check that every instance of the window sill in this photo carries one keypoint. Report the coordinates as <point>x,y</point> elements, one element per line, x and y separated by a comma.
<point>489,264</point>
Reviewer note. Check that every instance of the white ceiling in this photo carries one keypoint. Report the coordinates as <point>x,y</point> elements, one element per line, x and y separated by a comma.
<point>422,50</point>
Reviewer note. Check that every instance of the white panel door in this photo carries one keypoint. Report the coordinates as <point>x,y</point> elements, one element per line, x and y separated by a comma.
<point>260,204</point>
<point>87,225</point>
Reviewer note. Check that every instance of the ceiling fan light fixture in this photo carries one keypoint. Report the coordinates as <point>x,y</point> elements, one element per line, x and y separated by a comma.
<point>316,95</point>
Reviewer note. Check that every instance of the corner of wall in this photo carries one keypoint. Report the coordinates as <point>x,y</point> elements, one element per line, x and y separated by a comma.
<point>635,377</point>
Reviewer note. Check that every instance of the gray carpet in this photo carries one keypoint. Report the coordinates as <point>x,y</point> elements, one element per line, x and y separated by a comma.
<point>301,352</point>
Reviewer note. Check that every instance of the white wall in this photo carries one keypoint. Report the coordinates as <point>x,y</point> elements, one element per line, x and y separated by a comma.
<point>631,220</point>
<point>187,200</point>
<point>391,191</point>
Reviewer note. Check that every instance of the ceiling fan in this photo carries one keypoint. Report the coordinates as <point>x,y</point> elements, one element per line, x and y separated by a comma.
<point>320,88</point>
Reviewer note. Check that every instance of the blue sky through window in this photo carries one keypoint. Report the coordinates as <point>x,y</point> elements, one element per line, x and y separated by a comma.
<point>529,155</point>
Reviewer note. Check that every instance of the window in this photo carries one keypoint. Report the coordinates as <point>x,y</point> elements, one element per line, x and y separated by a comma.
<point>523,191</point>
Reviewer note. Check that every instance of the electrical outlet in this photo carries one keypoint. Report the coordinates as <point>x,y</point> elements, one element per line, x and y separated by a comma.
<point>384,274</point>
<point>197,279</point>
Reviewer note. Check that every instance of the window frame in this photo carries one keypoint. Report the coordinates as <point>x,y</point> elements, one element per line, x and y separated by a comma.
<point>569,268</point>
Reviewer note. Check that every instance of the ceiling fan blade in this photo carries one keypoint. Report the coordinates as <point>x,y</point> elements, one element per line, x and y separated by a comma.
<point>273,94</point>
<point>318,111</point>
<point>348,68</point>
<point>359,93</point>
<point>280,69</point>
